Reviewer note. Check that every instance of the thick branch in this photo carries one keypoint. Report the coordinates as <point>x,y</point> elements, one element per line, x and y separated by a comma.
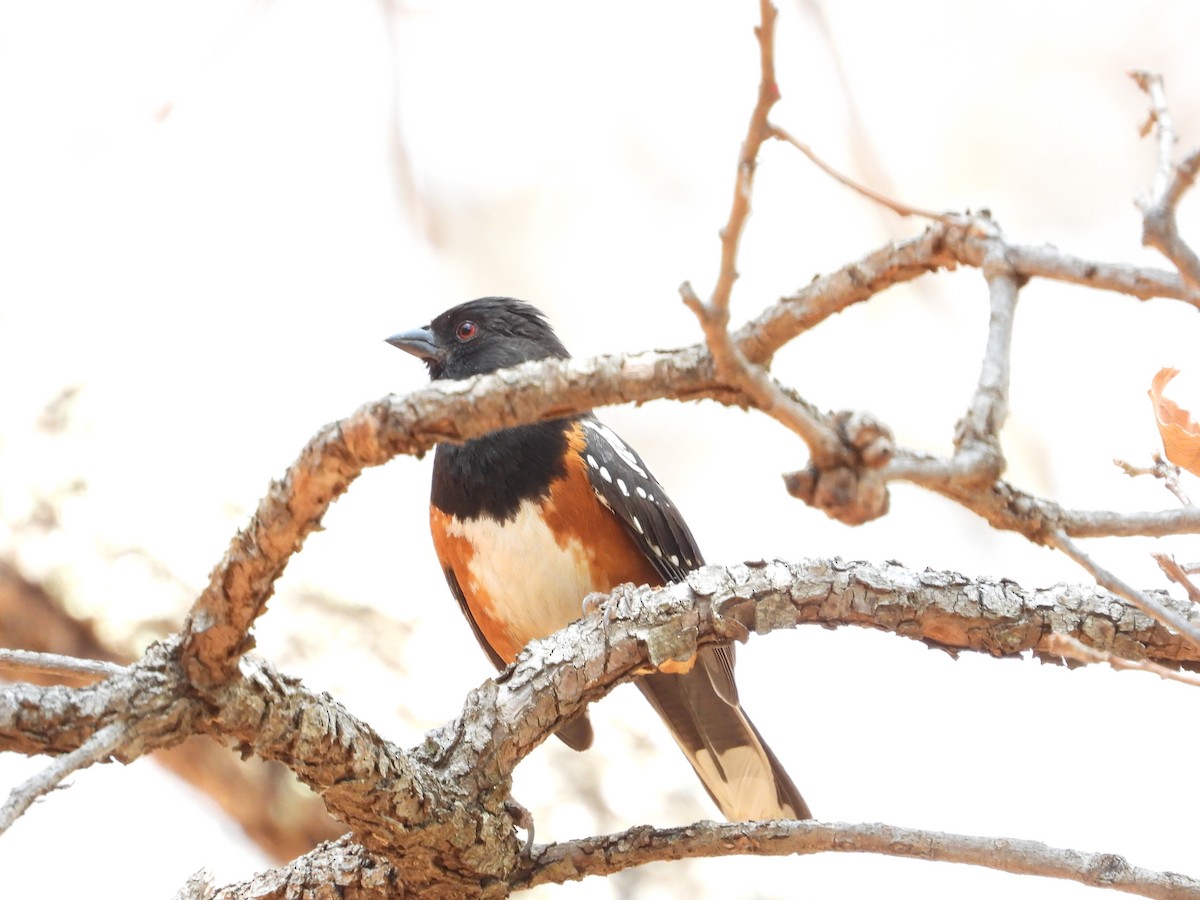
<point>941,246</point>
<point>1010,509</point>
<point>438,811</point>
<point>281,816</point>
<point>942,609</point>
<point>217,629</point>
<point>338,868</point>
<point>552,679</point>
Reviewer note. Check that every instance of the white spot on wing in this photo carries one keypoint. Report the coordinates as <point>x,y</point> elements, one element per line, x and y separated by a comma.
<point>605,475</point>
<point>641,491</point>
<point>657,549</point>
<point>618,445</point>
<point>592,461</point>
<point>621,485</point>
<point>636,523</point>
<point>674,560</point>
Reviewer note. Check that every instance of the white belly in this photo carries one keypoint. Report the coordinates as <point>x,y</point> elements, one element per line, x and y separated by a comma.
<point>536,584</point>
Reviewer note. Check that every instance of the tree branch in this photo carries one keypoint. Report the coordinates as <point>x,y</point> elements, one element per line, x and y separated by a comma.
<point>1171,181</point>
<point>1073,649</point>
<point>575,860</point>
<point>1166,472</point>
<point>280,815</point>
<point>1177,574</point>
<point>55,664</point>
<point>414,806</point>
<point>351,869</point>
<point>95,749</point>
<point>438,812</point>
<point>901,209</point>
<point>217,628</point>
<point>751,380</point>
<point>1147,604</point>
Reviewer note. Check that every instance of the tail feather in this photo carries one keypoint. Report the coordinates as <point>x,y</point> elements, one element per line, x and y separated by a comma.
<point>739,771</point>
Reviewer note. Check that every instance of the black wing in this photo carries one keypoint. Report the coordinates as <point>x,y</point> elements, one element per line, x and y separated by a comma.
<point>700,707</point>
<point>625,486</point>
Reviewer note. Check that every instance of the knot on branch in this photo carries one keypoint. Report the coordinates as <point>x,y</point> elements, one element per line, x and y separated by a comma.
<point>851,488</point>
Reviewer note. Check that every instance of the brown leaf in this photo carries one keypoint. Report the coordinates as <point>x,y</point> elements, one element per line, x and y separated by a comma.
<point>1180,432</point>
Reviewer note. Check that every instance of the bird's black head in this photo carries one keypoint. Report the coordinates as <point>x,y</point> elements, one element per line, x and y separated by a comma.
<point>481,336</point>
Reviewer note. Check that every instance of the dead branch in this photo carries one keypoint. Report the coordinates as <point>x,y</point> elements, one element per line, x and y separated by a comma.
<point>362,874</point>
<point>96,748</point>
<point>30,661</point>
<point>574,860</point>
<point>1140,599</point>
<point>760,390</point>
<point>1167,472</point>
<point>355,871</point>
<point>901,209</point>
<point>439,814</point>
<point>1171,181</point>
<point>1073,649</point>
<point>276,812</point>
<point>452,788</point>
<point>1174,571</point>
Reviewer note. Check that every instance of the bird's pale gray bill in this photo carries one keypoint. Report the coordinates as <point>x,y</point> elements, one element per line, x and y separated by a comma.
<point>419,342</point>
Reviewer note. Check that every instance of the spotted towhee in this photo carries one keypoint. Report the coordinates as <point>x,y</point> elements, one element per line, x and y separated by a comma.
<point>529,520</point>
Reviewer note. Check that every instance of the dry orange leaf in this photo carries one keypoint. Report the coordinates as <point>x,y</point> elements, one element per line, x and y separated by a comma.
<point>1179,431</point>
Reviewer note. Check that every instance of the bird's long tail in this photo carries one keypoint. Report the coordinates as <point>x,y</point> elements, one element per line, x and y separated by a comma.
<point>742,775</point>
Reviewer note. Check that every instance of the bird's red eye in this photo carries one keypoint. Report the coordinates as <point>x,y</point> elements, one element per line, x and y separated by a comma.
<point>466,330</point>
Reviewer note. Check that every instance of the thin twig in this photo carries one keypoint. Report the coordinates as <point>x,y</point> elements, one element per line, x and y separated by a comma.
<point>1141,600</point>
<point>714,316</point>
<point>1177,574</point>
<point>1162,469</point>
<point>731,364</point>
<point>95,749</point>
<point>863,151</point>
<point>758,131</point>
<point>574,860</point>
<point>1159,227</point>
<point>1067,646</point>
<point>901,209</point>
<point>56,664</point>
<point>765,393</point>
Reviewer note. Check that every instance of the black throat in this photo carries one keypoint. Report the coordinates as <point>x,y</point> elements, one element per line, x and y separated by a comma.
<point>492,475</point>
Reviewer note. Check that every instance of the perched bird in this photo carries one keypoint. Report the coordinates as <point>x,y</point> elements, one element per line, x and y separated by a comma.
<point>527,521</point>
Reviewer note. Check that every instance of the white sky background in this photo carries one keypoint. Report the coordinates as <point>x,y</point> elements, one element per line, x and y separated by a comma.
<point>200,228</point>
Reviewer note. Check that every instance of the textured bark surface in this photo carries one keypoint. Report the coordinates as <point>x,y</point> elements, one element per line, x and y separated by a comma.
<point>262,797</point>
<point>435,820</point>
<point>438,812</point>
